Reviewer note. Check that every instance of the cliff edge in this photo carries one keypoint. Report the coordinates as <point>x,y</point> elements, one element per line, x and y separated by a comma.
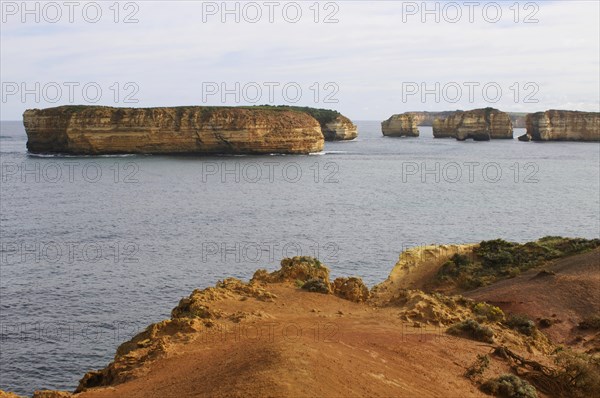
<point>95,130</point>
<point>556,125</point>
<point>478,124</point>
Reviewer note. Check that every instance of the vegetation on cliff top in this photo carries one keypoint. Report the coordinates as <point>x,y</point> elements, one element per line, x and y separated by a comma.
<point>498,259</point>
<point>322,115</point>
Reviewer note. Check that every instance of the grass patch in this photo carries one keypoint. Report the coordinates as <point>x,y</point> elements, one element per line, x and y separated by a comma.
<point>509,386</point>
<point>498,259</point>
<point>521,324</point>
<point>578,374</point>
<point>488,312</point>
<point>473,330</point>
<point>316,285</point>
<point>478,367</point>
<point>323,116</point>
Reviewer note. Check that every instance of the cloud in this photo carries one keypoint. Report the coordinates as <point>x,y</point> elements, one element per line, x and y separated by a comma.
<point>373,50</point>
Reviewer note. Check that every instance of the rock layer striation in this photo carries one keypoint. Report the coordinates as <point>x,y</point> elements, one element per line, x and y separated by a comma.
<point>556,125</point>
<point>479,125</point>
<point>339,129</point>
<point>95,130</point>
<point>404,125</point>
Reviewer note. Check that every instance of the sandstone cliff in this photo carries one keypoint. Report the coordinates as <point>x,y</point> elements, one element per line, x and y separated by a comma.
<point>341,128</point>
<point>479,124</point>
<point>416,267</point>
<point>555,125</point>
<point>404,125</point>
<point>334,125</point>
<point>199,130</point>
<point>427,118</point>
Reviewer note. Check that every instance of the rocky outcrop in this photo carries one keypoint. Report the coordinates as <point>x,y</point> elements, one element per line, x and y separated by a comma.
<point>51,394</point>
<point>525,138</point>
<point>334,125</point>
<point>416,267</point>
<point>404,125</point>
<point>299,268</point>
<point>427,118</point>
<point>479,125</point>
<point>94,130</point>
<point>5,394</point>
<point>353,289</point>
<point>556,125</point>
<point>339,129</point>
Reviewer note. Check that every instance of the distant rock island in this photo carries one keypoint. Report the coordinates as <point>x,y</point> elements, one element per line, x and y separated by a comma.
<point>489,123</point>
<point>478,124</point>
<point>556,125</point>
<point>404,125</point>
<point>97,130</point>
<point>427,118</point>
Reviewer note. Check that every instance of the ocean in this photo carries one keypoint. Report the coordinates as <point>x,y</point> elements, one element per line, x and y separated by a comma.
<point>93,249</point>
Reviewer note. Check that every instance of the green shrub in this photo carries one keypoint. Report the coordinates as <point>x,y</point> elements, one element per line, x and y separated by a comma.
<point>472,329</point>
<point>316,285</point>
<point>496,253</point>
<point>521,324</point>
<point>323,116</point>
<point>578,374</point>
<point>478,367</point>
<point>509,386</point>
<point>488,312</point>
<point>590,323</point>
<point>454,265</point>
<point>497,259</point>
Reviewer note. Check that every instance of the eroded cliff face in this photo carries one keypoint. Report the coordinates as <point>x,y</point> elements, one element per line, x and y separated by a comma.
<point>479,125</point>
<point>416,267</point>
<point>94,130</point>
<point>340,128</point>
<point>556,125</point>
<point>404,125</point>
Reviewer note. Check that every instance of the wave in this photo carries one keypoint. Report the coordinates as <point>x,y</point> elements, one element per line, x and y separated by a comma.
<point>66,155</point>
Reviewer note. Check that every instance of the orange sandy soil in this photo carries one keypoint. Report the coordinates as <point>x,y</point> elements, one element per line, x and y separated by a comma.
<point>302,344</point>
<point>566,298</point>
<point>361,352</point>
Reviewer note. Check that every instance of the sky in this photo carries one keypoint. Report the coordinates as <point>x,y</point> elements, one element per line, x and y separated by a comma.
<point>367,59</point>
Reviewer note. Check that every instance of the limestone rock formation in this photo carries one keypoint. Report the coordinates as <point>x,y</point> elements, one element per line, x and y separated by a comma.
<point>479,124</point>
<point>51,394</point>
<point>416,267</point>
<point>556,125</point>
<point>340,128</point>
<point>5,394</point>
<point>95,130</point>
<point>404,125</point>
<point>427,118</point>
<point>334,125</point>
<point>299,268</point>
<point>525,138</point>
<point>352,289</point>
